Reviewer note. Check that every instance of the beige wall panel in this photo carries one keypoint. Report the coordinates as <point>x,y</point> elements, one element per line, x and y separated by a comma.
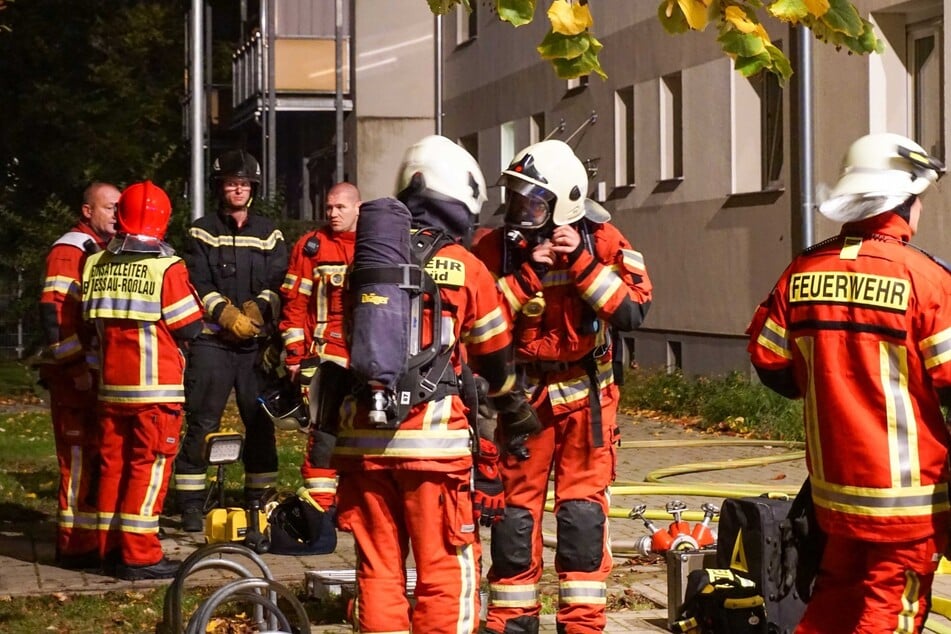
<point>394,59</point>
<point>308,65</point>
<point>381,143</point>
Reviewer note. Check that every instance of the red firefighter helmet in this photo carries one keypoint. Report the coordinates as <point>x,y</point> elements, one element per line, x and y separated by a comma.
<point>144,210</point>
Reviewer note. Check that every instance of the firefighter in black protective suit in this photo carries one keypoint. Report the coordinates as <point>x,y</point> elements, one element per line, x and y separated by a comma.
<point>236,260</point>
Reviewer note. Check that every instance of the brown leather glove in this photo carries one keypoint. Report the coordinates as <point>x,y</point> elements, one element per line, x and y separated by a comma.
<point>250,308</point>
<point>237,323</point>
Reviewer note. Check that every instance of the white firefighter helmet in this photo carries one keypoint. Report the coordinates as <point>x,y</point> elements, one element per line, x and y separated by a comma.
<point>547,180</point>
<point>445,169</point>
<point>879,173</point>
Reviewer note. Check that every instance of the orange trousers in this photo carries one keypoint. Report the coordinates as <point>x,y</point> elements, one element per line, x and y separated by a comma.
<point>583,470</point>
<point>872,588</point>
<point>138,449</point>
<point>390,510</point>
<point>76,434</point>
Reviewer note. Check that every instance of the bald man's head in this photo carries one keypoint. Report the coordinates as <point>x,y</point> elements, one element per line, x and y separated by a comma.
<point>343,207</point>
<point>99,208</point>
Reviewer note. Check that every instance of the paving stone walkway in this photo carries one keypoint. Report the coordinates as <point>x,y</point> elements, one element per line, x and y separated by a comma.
<point>26,547</point>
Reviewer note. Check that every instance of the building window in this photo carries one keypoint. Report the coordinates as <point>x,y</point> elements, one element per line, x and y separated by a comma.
<point>577,82</point>
<point>506,149</point>
<point>467,23</point>
<point>536,128</point>
<point>470,143</point>
<point>624,137</point>
<point>925,83</point>
<point>675,357</point>
<point>906,81</point>
<point>757,132</point>
<point>671,127</point>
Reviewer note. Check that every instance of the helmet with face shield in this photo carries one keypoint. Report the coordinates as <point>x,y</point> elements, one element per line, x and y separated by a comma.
<point>545,183</point>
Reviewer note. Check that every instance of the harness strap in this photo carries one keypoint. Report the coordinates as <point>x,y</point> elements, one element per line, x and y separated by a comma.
<point>594,394</point>
<point>406,276</point>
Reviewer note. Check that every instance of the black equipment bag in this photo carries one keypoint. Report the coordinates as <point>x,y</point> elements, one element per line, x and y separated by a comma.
<point>296,527</point>
<point>718,601</point>
<point>755,540</point>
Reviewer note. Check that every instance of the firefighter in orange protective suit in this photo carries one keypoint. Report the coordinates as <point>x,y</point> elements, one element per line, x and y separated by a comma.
<point>859,327</point>
<point>312,326</point>
<point>138,296</point>
<point>411,484</point>
<point>70,377</point>
<point>583,278</point>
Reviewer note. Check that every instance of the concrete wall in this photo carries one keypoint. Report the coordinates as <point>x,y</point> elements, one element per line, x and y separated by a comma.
<point>394,87</point>
<point>712,254</point>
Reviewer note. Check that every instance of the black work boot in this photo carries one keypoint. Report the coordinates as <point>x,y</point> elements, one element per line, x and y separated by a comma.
<point>193,519</point>
<point>165,568</point>
<point>84,561</point>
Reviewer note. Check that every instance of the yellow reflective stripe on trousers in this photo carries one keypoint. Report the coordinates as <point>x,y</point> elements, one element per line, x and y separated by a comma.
<point>909,604</point>
<point>589,592</point>
<point>573,390</point>
<point>138,524</point>
<point>467,619</point>
<point>260,480</point>
<point>513,596</point>
<point>156,480</point>
<point>321,485</point>
<point>189,481</point>
<point>107,521</point>
<point>74,519</point>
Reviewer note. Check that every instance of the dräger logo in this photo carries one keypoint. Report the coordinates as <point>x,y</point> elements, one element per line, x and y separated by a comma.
<point>841,287</point>
<point>373,298</point>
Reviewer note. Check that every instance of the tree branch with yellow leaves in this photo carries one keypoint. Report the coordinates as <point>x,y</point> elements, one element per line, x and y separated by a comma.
<point>573,50</point>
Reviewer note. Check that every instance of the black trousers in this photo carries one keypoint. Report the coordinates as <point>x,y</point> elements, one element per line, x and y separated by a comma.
<point>212,372</point>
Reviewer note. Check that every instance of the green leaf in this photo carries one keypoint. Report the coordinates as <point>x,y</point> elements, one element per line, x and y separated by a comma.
<point>780,63</point>
<point>442,7</point>
<point>558,46</point>
<point>584,64</point>
<point>739,44</point>
<point>749,66</point>
<point>676,22</point>
<point>843,17</point>
<point>515,12</point>
<point>789,10</point>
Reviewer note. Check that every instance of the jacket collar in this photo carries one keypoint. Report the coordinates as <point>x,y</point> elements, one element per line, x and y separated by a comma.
<point>887,224</point>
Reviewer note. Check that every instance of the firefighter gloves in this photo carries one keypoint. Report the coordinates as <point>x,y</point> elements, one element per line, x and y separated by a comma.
<point>251,309</point>
<point>516,415</point>
<point>488,498</point>
<point>237,323</point>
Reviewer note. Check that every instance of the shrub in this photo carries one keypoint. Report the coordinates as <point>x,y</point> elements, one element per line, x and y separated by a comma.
<point>729,403</point>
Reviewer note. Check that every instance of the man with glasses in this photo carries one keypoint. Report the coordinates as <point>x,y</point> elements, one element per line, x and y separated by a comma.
<point>236,260</point>
<point>569,276</point>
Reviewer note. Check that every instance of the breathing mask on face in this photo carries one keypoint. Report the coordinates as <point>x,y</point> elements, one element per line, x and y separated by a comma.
<point>528,217</point>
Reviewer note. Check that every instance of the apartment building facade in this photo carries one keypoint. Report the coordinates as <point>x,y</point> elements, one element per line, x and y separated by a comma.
<point>280,98</point>
<point>700,167</point>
